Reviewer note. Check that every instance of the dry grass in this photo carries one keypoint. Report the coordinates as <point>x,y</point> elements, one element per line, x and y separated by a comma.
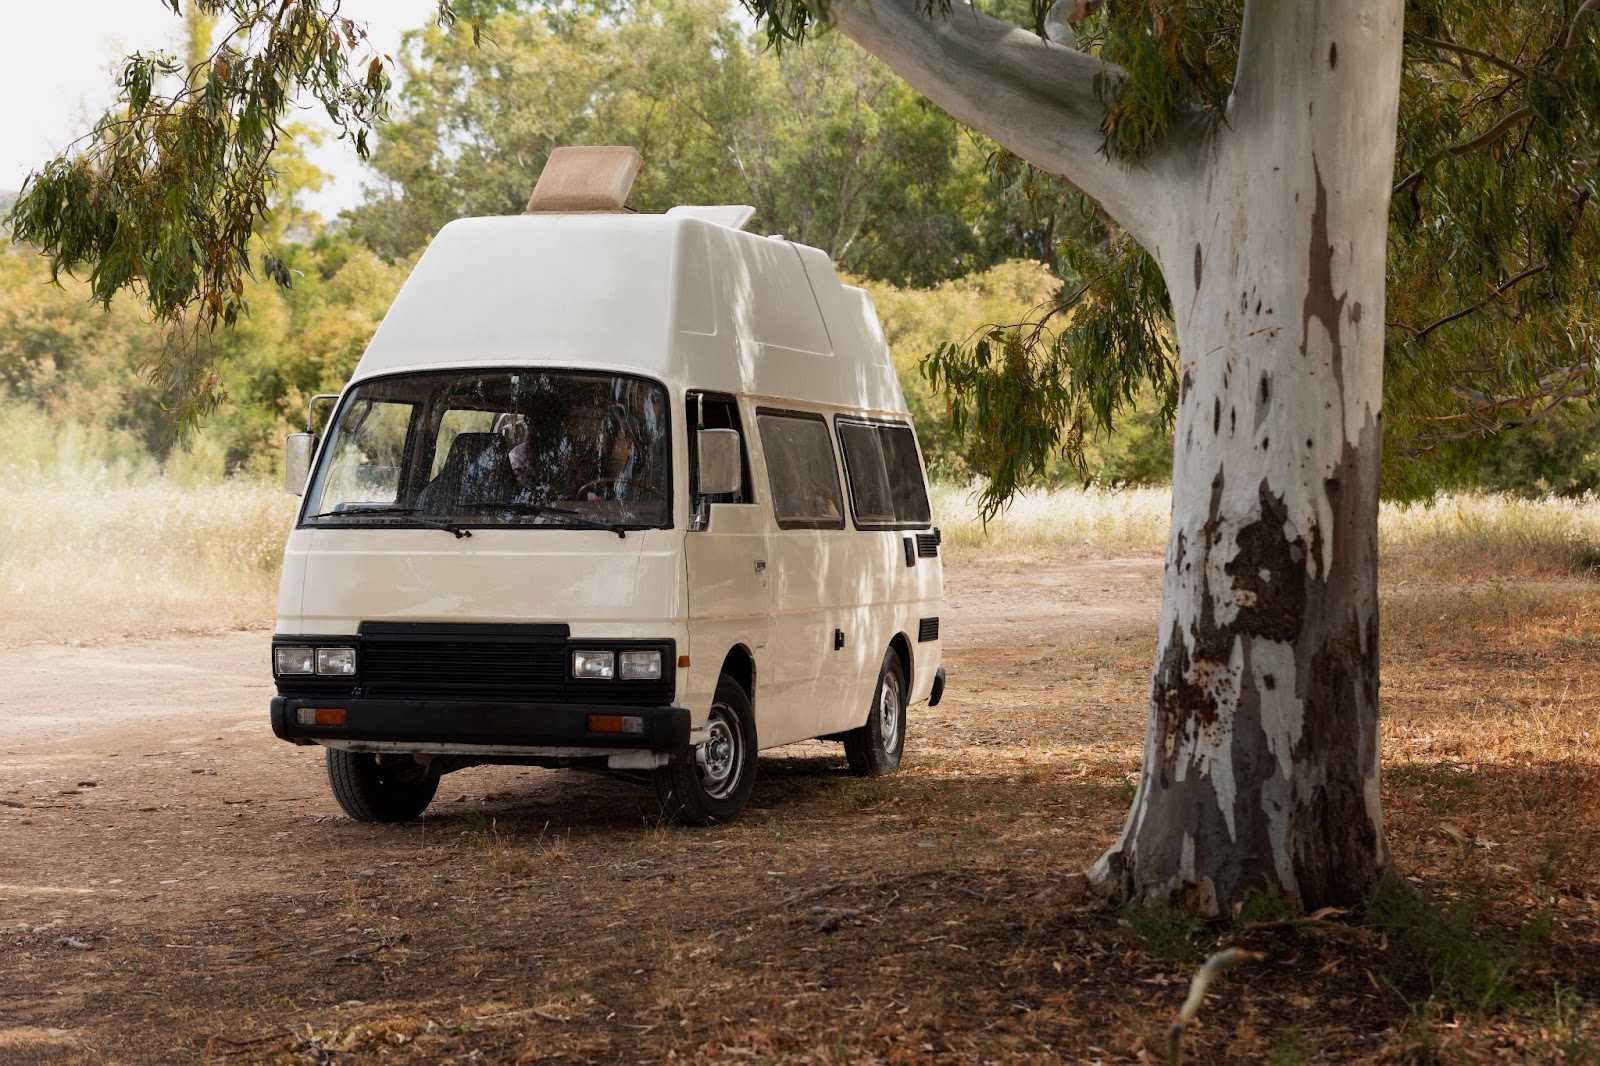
<point>91,550</point>
<point>87,562</point>
<point>1130,520</point>
<point>1491,535</point>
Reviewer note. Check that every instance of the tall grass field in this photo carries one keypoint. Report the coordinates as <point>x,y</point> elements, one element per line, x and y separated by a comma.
<point>91,549</point>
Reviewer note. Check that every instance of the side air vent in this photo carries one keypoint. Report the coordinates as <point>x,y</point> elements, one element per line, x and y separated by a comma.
<point>928,544</point>
<point>927,629</point>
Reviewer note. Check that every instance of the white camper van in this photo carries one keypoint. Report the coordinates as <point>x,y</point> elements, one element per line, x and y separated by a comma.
<point>637,493</point>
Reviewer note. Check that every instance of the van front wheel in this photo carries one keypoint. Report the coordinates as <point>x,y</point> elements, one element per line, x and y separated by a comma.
<point>712,784</point>
<point>874,749</point>
<point>370,791</point>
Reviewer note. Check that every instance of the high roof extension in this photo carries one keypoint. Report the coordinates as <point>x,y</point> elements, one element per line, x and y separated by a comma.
<point>579,280</point>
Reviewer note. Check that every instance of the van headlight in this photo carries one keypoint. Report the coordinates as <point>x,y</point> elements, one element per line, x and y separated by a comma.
<point>594,665</point>
<point>625,661</point>
<point>339,662</point>
<point>294,660</point>
<point>640,665</point>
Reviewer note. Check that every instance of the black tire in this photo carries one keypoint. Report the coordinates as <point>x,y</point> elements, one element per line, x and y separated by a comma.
<point>712,784</point>
<point>874,749</point>
<point>370,791</point>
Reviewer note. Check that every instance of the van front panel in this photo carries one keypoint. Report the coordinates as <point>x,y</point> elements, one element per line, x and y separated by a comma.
<point>589,579</point>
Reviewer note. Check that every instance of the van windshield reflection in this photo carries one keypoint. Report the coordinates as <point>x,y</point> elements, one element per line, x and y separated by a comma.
<point>513,448</point>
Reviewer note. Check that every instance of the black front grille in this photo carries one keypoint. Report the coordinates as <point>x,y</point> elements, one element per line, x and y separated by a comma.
<point>492,662</point>
<point>927,629</point>
<point>456,668</point>
<point>928,544</point>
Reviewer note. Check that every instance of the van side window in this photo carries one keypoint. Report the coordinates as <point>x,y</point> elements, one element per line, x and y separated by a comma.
<point>717,412</point>
<point>887,489</point>
<point>801,468</point>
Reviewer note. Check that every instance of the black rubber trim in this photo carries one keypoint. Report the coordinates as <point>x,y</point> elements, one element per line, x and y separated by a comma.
<point>497,632</point>
<point>543,725</point>
<point>938,688</point>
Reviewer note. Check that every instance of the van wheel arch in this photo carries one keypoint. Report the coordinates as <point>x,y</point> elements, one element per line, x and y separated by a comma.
<point>902,647</point>
<point>740,665</point>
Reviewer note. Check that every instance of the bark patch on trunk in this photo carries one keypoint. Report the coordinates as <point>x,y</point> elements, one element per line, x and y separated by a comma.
<point>1336,836</point>
<point>1321,303</point>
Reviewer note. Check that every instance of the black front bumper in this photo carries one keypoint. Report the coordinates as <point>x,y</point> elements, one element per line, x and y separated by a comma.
<point>533,725</point>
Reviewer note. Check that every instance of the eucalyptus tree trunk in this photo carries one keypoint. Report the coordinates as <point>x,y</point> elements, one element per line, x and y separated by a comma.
<point>1261,753</point>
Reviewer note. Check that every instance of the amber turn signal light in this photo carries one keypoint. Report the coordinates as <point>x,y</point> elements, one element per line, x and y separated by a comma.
<point>320,716</point>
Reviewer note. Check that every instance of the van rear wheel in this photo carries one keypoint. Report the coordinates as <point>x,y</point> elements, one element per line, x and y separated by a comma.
<point>712,784</point>
<point>874,749</point>
<point>370,791</point>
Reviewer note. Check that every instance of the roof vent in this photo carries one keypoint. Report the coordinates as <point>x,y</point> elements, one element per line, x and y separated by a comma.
<point>582,180</point>
<point>733,216</point>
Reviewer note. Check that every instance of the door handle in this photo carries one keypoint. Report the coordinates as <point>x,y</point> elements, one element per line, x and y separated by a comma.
<point>761,566</point>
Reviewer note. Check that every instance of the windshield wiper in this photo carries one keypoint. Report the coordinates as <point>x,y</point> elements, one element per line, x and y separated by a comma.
<point>571,517</point>
<point>408,513</point>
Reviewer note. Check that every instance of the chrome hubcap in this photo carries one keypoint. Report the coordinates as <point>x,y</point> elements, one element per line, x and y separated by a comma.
<point>721,757</point>
<point>889,711</point>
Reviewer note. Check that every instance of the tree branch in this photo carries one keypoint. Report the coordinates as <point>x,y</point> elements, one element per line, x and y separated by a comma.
<point>1461,49</point>
<point>1555,399</point>
<point>1035,98</point>
<point>1569,51</point>
<point>1494,133</point>
<point>1418,333</point>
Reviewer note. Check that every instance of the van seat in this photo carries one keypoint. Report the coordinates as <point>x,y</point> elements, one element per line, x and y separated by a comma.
<point>477,470</point>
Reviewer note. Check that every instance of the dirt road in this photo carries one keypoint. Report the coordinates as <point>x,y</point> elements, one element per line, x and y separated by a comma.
<point>176,885</point>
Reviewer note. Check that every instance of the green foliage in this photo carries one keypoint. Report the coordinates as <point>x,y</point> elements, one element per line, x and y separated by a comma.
<point>1494,239</point>
<point>916,321</point>
<point>1010,407</point>
<point>828,146</point>
<point>1027,395</point>
<point>1259,906</point>
<point>72,363</point>
<point>1559,455</point>
<point>1165,931</point>
<point>164,197</point>
<point>1178,57</point>
<point>1291,1048</point>
<point>1465,971</point>
<point>1493,245</point>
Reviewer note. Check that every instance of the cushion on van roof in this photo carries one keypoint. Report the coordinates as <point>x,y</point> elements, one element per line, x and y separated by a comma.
<point>585,179</point>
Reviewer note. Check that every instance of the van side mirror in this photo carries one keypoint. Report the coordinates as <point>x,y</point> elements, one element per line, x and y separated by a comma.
<point>298,450</point>
<point>718,471</point>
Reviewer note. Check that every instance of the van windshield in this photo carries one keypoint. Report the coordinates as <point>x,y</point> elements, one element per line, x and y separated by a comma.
<point>513,448</point>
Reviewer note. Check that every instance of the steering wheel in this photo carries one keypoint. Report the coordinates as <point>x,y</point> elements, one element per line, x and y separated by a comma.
<point>613,483</point>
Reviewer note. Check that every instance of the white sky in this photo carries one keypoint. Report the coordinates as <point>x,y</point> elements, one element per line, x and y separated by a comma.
<point>56,62</point>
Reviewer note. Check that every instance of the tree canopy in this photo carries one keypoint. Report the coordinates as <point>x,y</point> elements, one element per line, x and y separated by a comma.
<point>1492,249</point>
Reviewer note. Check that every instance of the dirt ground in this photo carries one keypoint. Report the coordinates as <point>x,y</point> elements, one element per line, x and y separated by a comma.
<point>176,885</point>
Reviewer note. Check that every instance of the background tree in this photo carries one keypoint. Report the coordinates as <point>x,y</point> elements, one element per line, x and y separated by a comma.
<point>163,198</point>
<point>830,148</point>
